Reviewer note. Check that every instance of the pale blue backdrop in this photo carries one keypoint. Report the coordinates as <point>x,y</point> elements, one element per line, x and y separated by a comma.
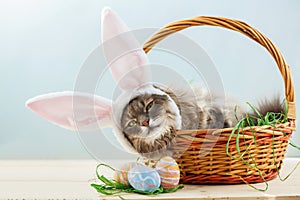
<point>44,43</point>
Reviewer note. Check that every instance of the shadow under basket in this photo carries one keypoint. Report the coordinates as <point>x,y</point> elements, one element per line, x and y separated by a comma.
<point>255,154</point>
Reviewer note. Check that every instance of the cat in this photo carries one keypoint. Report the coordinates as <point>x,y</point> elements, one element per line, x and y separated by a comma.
<point>149,121</point>
<point>145,117</point>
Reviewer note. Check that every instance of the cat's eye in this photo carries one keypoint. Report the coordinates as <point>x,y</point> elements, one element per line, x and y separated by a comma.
<point>149,106</point>
<point>132,123</point>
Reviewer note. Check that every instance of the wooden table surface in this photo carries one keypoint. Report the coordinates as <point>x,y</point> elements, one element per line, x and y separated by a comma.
<point>70,179</point>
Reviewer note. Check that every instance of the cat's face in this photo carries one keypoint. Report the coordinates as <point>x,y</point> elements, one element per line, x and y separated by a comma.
<point>148,121</point>
<point>144,115</point>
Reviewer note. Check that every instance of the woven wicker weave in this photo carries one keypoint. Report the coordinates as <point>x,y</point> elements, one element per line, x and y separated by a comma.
<point>201,154</point>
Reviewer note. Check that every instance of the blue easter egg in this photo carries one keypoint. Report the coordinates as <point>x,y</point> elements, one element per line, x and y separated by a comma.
<point>144,178</point>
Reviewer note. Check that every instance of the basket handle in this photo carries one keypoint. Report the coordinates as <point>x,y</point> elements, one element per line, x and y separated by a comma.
<point>243,28</point>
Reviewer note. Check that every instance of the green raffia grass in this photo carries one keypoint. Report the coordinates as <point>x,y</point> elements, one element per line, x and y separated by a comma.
<point>270,119</point>
<point>112,187</point>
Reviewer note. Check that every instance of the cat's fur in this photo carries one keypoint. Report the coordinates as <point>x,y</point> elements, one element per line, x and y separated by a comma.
<point>154,127</point>
<point>152,139</point>
<point>204,111</point>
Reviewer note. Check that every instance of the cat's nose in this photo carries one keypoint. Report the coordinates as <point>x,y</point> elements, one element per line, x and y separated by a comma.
<point>145,123</point>
<point>144,120</point>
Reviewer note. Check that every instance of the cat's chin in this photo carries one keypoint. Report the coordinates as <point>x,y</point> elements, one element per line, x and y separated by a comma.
<point>157,144</point>
<point>156,133</point>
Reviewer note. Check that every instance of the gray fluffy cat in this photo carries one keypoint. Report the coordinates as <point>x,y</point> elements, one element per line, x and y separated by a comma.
<point>149,121</point>
<point>144,117</point>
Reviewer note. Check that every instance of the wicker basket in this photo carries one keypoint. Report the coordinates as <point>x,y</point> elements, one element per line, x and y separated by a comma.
<point>201,154</point>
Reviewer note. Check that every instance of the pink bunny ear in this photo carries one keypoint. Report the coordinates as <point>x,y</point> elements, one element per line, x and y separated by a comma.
<point>75,111</point>
<point>123,52</point>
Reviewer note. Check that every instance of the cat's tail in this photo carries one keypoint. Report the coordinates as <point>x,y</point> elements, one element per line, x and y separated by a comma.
<point>274,105</point>
<point>265,106</point>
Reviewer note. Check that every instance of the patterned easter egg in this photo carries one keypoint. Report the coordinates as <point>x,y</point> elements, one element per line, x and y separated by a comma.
<point>144,178</point>
<point>121,175</point>
<point>169,172</point>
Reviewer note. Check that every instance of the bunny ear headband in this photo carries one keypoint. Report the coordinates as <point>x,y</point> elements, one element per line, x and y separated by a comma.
<point>126,61</point>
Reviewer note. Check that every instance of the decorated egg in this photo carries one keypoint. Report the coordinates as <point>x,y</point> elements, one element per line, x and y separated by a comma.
<point>169,172</point>
<point>144,178</point>
<point>121,175</point>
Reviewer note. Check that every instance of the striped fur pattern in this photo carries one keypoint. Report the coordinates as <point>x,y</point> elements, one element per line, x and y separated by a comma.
<point>148,120</point>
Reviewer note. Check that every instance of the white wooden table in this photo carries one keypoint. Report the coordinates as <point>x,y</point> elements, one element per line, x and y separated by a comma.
<point>70,179</point>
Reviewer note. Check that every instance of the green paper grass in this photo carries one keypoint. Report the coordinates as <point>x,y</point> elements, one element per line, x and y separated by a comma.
<point>112,187</point>
<point>270,119</point>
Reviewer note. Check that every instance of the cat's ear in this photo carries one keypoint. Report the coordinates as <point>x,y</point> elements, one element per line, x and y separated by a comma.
<point>75,111</point>
<point>123,53</point>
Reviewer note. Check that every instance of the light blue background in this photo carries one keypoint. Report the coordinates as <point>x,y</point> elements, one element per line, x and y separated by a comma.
<point>44,43</point>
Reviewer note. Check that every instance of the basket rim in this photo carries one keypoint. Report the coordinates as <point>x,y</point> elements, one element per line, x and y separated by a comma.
<point>288,125</point>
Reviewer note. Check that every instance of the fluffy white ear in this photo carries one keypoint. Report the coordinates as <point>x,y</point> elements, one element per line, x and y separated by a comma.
<point>123,52</point>
<point>75,111</point>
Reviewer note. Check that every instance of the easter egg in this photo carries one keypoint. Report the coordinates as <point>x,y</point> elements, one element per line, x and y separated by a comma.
<point>169,172</point>
<point>121,174</point>
<point>144,178</point>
